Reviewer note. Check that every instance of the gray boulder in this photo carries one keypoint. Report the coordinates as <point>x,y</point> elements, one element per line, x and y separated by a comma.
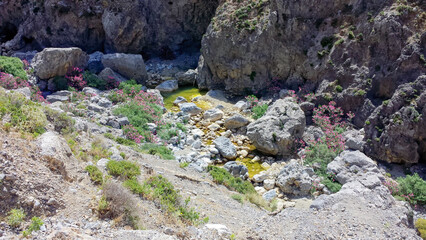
<point>237,169</point>
<point>354,139</point>
<point>94,64</point>
<point>52,62</point>
<point>130,66</point>
<point>108,74</point>
<point>190,108</point>
<point>295,179</point>
<point>270,195</point>
<point>236,121</point>
<point>213,114</point>
<point>275,133</point>
<point>179,100</point>
<point>168,86</point>
<point>226,147</point>
<point>186,78</point>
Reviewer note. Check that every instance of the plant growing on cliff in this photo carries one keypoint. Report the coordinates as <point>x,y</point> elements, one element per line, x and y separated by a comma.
<point>35,225</point>
<point>421,227</point>
<point>75,78</point>
<point>15,217</point>
<point>257,109</point>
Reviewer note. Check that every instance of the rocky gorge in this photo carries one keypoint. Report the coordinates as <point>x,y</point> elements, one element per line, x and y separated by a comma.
<point>178,119</point>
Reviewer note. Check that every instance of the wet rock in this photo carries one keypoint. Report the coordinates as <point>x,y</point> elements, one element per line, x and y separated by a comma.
<point>225,147</point>
<point>275,133</point>
<point>236,169</point>
<point>179,100</point>
<point>52,62</point>
<point>168,86</point>
<point>236,121</point>
<point>190,108</point>
<point>130,66</point>
<point>94,64</point>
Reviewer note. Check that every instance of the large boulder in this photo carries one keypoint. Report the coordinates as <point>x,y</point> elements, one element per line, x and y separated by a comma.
<point>226,147</point>
<point>275,133</point>
<point>295,179</point>
<point>130,66</point>
<point>108,74</point>
<point>168,86</point>
<point>190,108</point>
<point>213,114</point>
<point>186,78</point>
<point>52,62</point>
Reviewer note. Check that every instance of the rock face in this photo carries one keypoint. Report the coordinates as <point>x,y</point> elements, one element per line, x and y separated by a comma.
<point>246,53</point>
<point>130,66</point>
<point>275,133</point>
<point>295,179</point>
<point>52,62</point>
<point>396,131</point>
<point>226,147</point>
<point>153,27</point>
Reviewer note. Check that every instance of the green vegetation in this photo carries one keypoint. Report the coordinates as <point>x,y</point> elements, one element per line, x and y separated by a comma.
<point>328,41</point>
<point>155,149</point>
<point>360,92</point>
<point>338,42</point>
<point>421,227</point>
<point>61,121</point>
<point>158,188</point>
<point>124,169</point>
<point>413,187</point>
<point>322,155</point>
<point>183,164</point>
<point>351,35</point>
<point>95,174</point>
<point>322,53</point>
<point>15,217</point>
<point>221,176</point>
<point>25,115</point>
<point>259,110</point>
<point>35,225</point>
<point>94,81</point>
<point>61,83</point>
<point>14,66</point>
<point>237,197</point>
<point>338,88</point>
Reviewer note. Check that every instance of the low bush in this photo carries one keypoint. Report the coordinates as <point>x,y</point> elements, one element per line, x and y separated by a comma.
<point>9,81</point>
<point>61,121</point>
<point>25,115</point>
<point>14,66</point>
<point>95,174</point>
<point>15,217</point>
<point>155,149</point>
<point>259,111</point>
<point>412,188</point>
<point>35,225</point>
<point>221,176</point>
<point>124,169</point>
<point>135,187</point>
<point>421,227</point>
<point>237,197</point>
<point>75,78</point>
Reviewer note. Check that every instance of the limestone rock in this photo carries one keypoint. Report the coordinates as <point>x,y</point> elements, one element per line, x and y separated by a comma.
<point>236,169</point>
<point>225,147</point>
<point>168,86</point>
<point>275,133</point>
<point>52,62</point>
<point>130,66</point>
<point>295,179</point>
<point>213,115</point>
<point>186,78</point>
<point>190,108</point>
<point>236,121</point>
<point>108,74</point>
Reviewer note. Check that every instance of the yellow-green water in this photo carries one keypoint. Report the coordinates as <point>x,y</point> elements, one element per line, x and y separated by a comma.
<point>253,167</point>
<point>188,93</point>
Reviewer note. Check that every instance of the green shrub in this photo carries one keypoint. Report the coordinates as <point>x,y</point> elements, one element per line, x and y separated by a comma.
<point>60,120</point>
<point>94,81</point>
<point>155,149</point>
<point>130,87</point>
<point>421,227</point>
<point>35,225</point>
<point>221,176</point>
<point>351,35</point>
<point>123,169</point>
<point>259,111</point>
<point>109,136</point>
<point>61,83</point>
<point>26,116</point>
<point>15,217</point>
<point>134,186</point>
<point>164,190</point>
<point>95,174</point>
<point>125,141</point>
<point>183,164</point>
<point>14,66</point>
<point>181,126</point>
<point>339,88</point>
<point>414,187</point>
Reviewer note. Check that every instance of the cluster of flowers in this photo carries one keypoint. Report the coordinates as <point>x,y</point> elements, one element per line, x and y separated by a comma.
<point>75,78</point>
<point>133,134</point>
<point>112,83</point>
<point>8,81</point>
<point>252,100</point>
